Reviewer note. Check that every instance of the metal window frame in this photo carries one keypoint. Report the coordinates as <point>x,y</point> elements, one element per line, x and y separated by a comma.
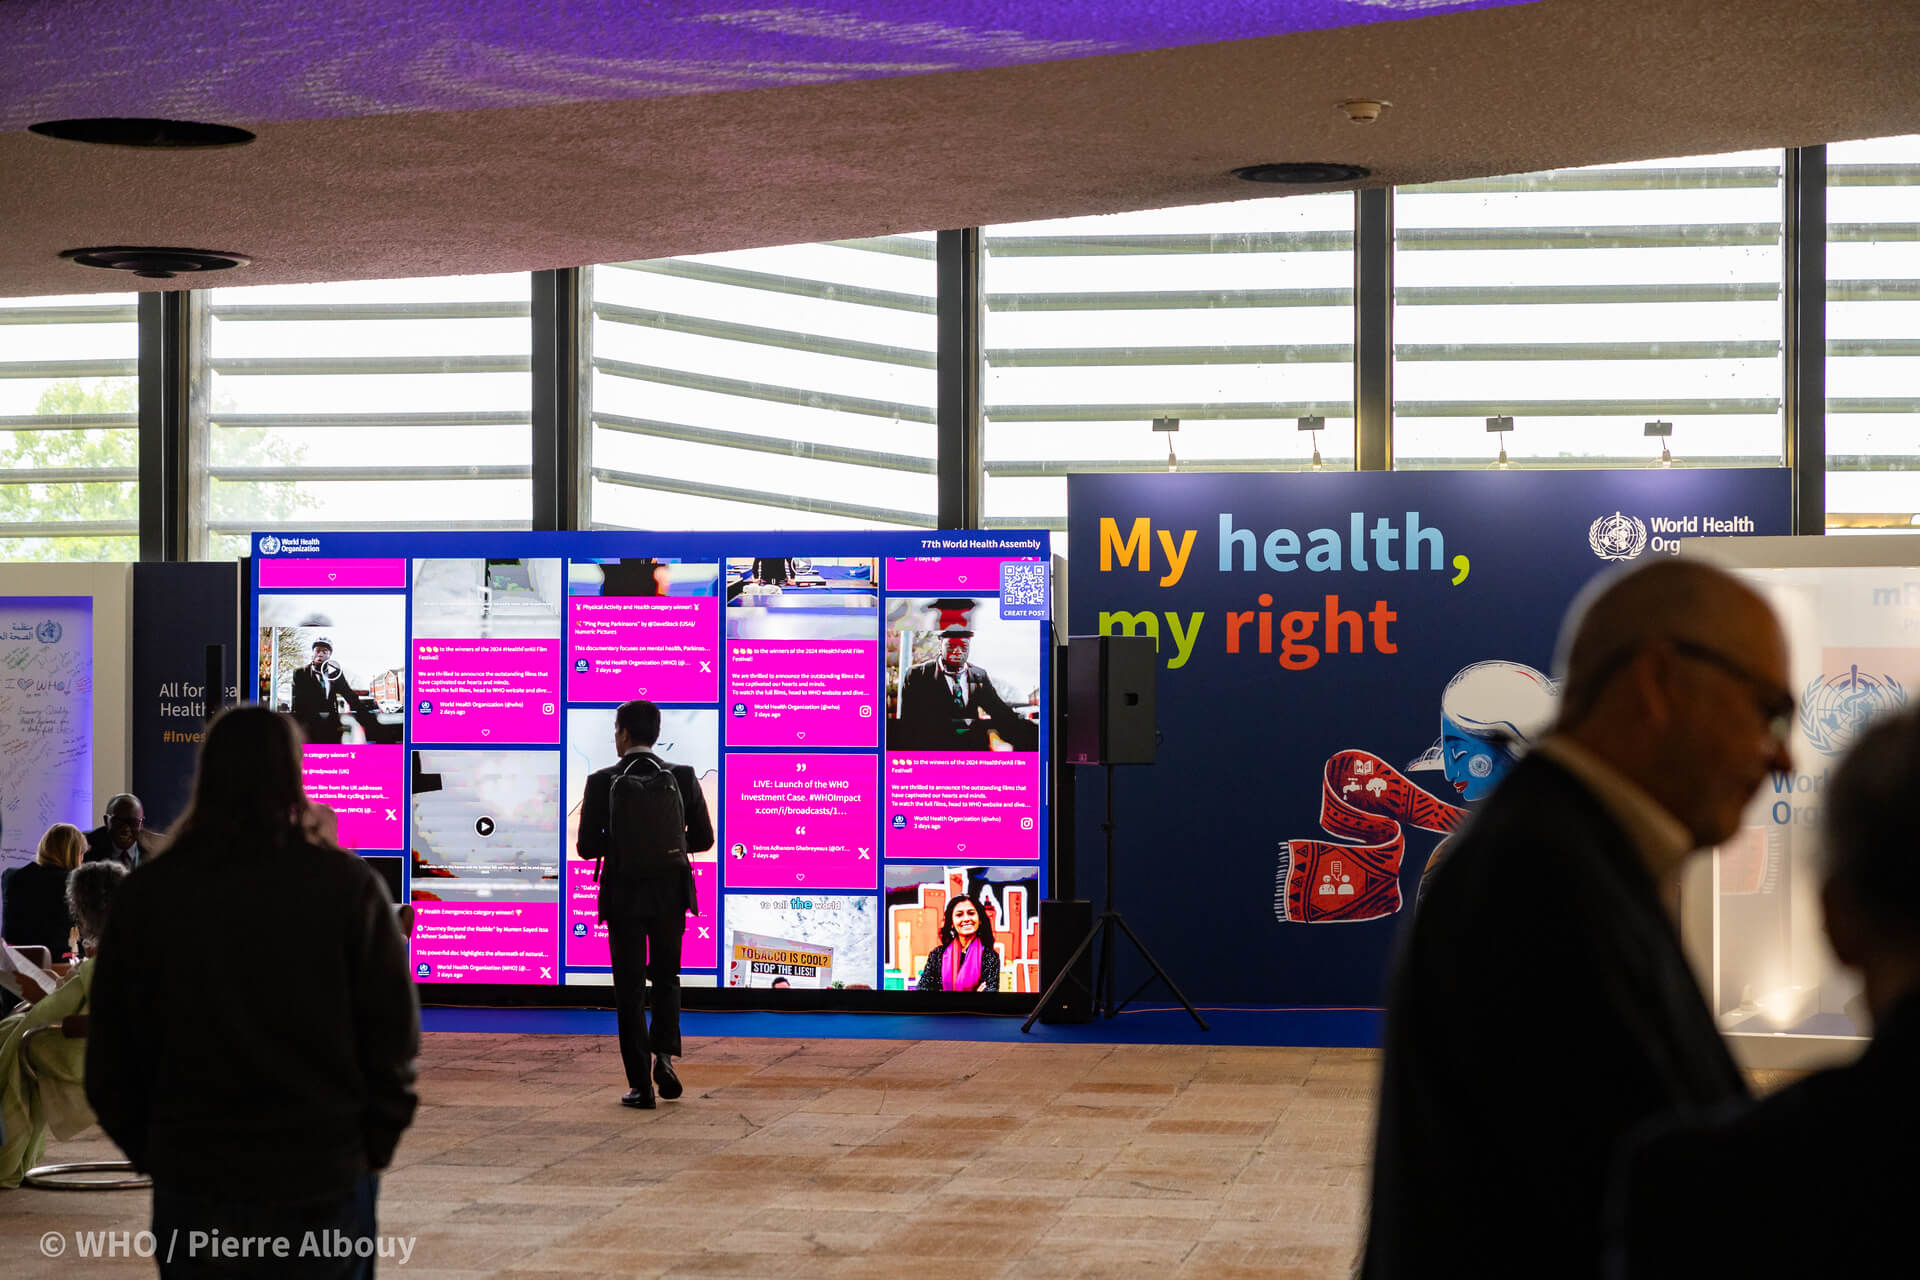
<point>1804,361</point>
<point>173,331</point>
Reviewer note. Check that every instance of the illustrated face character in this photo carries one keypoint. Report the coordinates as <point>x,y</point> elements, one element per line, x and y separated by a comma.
<point>953,654</point>
<point>966,920</point>
<point>1474,765</point>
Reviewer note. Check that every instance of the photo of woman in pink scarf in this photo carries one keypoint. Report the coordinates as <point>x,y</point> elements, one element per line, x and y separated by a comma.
<point>965,959</point>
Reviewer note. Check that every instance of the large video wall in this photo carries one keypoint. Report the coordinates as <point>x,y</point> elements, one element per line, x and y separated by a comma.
<point>867,714</point>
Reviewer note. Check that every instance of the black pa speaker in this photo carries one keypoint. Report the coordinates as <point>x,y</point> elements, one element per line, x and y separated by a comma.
<point>1110,717</point>
<point>1064,925</point>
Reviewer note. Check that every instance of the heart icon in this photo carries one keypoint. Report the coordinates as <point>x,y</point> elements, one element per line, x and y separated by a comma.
<point>332,576</point>
<point>961,848</point>
<point>798,877</point>
<point>963,579</point>
<point>801,734</point>
<point>486,733</point>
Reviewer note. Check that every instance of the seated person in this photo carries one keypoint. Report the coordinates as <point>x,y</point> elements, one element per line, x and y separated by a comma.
<point>965,959</point>
<point>33,898</point>
<point>1817,1179</point>
<point>56,1103</point>
<point>122,835</point>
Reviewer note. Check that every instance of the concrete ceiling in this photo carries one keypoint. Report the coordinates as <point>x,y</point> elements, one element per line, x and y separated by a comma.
<point>625,137</point>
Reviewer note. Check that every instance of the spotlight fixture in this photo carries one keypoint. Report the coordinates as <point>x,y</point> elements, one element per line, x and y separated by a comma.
<point>1305,173</point>
<point>1169,425</point>
<point>1314,424</point>
<point>1664,432</point>
<point>1500,426</point>
<point>143,131</point>
<point>155,263</point>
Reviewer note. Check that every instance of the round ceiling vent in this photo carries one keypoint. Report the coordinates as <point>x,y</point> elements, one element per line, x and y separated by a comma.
<point>156,264</point>
<point>1303,173</point>
<point>141,131</point>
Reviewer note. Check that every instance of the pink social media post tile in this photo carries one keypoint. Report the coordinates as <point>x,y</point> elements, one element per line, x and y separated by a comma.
<point>823,693</point>
<point>968,575</point>
<point>507,942</point>
<point>800,821</point>
<point>496,691</point>
<point>979,806</point>
<point>336,575</point>
<point>364,786</point>
<point>666,649</point>
<point>587,937</point>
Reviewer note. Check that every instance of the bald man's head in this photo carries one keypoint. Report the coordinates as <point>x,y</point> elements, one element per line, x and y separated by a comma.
<point>1677,672</point>
<point>1661,600</point>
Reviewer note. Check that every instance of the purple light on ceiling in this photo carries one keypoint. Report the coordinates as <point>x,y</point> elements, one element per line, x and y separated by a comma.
<point>244,62</point>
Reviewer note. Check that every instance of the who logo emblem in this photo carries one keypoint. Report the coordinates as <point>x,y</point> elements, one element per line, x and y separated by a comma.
<point>1617,537</point>
<point>1835,710</point>
<point>269,545</point>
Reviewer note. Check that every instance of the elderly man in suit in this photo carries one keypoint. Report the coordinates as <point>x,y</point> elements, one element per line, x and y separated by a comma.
<point>1542,1008</point>
<point>949,704</point>
<point>318,689</point>
<point>122,835</point>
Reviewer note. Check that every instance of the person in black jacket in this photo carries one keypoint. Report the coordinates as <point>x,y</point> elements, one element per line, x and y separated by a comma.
<point>949,704</point>
<point>267,1102</point>
<point>33,898</point>
<point>318,689</point>
<point>1818,1179</point>
<point>1541,1006</point>
<point>645,913</point>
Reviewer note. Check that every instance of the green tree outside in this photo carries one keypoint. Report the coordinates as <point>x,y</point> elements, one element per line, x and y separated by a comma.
<point>117,448</point>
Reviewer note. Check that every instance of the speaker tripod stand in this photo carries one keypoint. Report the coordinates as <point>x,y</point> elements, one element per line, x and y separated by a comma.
<point>1103,929</point>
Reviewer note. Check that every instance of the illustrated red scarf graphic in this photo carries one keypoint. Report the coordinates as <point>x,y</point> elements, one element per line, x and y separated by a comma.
<point>1364,799</point>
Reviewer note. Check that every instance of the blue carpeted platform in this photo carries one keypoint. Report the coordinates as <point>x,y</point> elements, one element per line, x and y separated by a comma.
<point>1153,1024</point>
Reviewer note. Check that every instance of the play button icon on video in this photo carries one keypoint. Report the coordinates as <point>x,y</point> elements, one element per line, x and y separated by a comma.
<point>484,826</point>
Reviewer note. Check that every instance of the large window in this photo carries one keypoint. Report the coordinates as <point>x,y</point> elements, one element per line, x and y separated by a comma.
<point>787,388</point>
<point>1234,319</point>
<point>1873,334</point>
<point>69,445</point>
<point>1585,304</point>
<point>394,404</point>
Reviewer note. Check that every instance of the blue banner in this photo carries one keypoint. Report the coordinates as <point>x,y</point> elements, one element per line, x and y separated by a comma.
<point>178,610</point>
<point>1349,663</point>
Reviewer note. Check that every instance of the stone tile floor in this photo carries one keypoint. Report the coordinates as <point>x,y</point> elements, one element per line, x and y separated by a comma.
<point>845,1158</point>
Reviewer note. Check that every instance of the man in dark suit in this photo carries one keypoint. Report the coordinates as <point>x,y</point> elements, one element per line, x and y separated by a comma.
<point>645,914</point>
<point>942,700</point>
<point>122,835</point>
<point>1818,1179</point>
<point>318,688</point>
<point>1541,1006</point>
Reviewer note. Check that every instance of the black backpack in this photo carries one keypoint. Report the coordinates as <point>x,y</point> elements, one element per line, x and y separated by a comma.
<point>646,823</point>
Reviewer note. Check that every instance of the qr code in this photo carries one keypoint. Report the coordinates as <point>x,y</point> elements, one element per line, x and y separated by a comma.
<point>1023,590</point>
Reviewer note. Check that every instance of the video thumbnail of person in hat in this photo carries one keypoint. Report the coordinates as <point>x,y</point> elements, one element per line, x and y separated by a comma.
<point>337,664</point>
<point>948,703</point>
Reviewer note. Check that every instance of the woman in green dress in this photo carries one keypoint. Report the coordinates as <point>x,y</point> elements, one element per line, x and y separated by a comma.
<point>55,1100</point>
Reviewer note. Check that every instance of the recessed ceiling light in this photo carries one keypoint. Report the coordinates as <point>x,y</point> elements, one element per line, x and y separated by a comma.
<point>154,263</point>
<point>1303,173</point>
<point>140,131</point>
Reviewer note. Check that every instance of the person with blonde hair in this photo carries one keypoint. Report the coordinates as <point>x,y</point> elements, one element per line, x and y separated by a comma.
<point>33,898</point>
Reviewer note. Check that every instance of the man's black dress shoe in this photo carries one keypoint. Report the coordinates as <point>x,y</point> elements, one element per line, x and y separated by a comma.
<point>635,1098</point>
<point>664,1079</point>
